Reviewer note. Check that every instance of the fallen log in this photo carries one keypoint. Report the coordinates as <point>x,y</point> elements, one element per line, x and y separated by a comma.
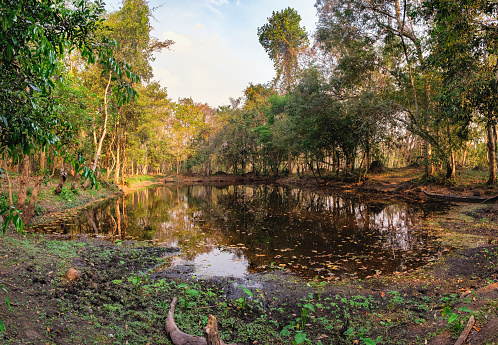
<point>460,198</point>
<point>490,200</point>
<point>487,288</point>
<point>180,338</point>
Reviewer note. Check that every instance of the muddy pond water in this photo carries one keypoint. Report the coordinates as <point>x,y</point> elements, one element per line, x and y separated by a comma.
<point>235,230</point>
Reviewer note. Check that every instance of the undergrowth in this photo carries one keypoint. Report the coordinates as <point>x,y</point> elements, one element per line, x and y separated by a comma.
<point>120,299</point>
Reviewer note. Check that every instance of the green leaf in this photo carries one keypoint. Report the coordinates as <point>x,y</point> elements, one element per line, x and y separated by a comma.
<point>193,292</point>
<point>309,306</point>
<point>285,332</point>
<point>2,327</point>
<point>452,318</point>
<point>18,224</point>
<point>369,341</point>
<point>4,209</point>
<point>7,301</point>
<point>299,338</point>
<point>465,309</point>
<point>6,222</point>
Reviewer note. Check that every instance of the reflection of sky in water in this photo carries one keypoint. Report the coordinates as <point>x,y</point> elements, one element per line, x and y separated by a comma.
<point>232,230</point>
<point>221,263</point>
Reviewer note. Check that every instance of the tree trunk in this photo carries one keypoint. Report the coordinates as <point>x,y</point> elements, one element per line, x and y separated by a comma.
<point>124,173</point>
<point>27,210</point>
<point>9,184</point>
<point>58,190</point>
<point>118,160</point>
<point>450,167</point>
<point>367,157</point>
<point>491,153</point>
<point>144,169</point>
<point>42,160</point>
<point>211,331</point>
<point>429,167</point>
<point>104,130</point>
<point>23,184</point>
<point>289,162</point>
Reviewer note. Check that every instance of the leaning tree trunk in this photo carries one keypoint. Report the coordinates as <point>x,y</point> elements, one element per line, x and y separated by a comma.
<point>492,153</point>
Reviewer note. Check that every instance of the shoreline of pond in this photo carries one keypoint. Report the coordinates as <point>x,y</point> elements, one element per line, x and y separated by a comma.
<point>395,185</point>
<point>453,281</point>
<point>405,184</point>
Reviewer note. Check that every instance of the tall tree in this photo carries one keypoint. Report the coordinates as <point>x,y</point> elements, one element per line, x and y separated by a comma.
<point>35,36</point>
<point>465,49</point>
<point>130,27</point>
<point>187,120</point>
<point>385,31</point>
<point>283,39</point>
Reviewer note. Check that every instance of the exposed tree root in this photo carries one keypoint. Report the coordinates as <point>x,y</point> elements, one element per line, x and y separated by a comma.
<point>180,338</point>
<point>466,331</point>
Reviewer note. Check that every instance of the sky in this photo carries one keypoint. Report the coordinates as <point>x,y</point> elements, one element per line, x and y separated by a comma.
<point>216,52</point>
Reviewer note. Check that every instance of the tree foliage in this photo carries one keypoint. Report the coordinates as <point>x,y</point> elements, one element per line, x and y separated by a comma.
<point>283,39</point>
<point>34,40</point>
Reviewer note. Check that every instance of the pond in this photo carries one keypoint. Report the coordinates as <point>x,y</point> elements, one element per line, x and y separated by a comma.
<point>235,230</point>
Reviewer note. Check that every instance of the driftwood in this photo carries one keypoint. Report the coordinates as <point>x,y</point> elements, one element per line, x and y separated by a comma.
<point>466,331</point>
<point>180,338</point>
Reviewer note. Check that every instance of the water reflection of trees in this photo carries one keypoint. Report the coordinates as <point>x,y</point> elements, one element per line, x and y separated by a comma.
<point>307,232</point>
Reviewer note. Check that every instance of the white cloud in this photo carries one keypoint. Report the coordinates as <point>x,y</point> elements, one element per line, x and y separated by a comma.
<point>216,52</point>
<point>166,78</point>
<point>211,72</point>
<point>182,42</point>
<point>218,2</point>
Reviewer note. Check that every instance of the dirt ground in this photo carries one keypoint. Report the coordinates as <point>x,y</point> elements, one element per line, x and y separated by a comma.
<point>124,291</point>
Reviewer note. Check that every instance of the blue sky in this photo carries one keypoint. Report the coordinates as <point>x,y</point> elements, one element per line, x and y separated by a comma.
<point>217,52</point>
